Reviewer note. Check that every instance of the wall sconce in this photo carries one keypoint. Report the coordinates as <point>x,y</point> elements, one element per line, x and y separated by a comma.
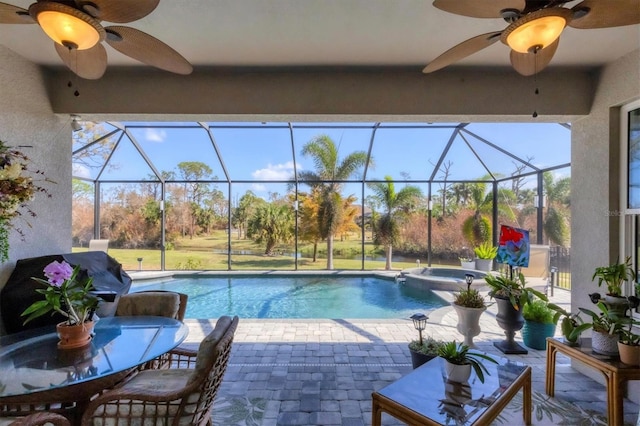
<point>536,30</point>
<point>539,202</point>
<point>75,126</point>
<point>420,323</point>
<point>430,205</point>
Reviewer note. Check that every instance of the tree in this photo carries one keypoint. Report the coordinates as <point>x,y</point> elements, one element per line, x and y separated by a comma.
<point>271,224</point>
<point>327,179</point>
<point>558,201</point>
<point>194,172</point>
<point>309,227</point>
<point>395,205</point>
<point>245,209</point>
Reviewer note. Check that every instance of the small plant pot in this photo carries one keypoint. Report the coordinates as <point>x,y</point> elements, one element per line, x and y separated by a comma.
<point>604,343</point>
<point>74,336</point>
<point>457,373</point>
<point>534,334</point>
<point>629,354</point>
<point>485,265</point>
<point>418,358</point>
<point>468,265</point>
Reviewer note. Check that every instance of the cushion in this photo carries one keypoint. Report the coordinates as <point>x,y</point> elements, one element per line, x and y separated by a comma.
<point>162,304</point>
<point>206,349</point>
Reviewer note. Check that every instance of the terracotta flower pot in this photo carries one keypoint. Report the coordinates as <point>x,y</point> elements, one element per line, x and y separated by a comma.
<point>629,354</point>
<point>74,336</point>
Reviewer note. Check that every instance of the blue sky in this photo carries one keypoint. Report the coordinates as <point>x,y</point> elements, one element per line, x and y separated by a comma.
<point>263,152</point>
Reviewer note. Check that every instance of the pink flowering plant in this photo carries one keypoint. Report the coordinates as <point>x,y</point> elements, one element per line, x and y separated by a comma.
<point>64,294</point>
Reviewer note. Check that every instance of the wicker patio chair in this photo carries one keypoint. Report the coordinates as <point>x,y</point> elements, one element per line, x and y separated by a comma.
<point>153,302</point>
<point>37,419</point>
<point>175,396</point>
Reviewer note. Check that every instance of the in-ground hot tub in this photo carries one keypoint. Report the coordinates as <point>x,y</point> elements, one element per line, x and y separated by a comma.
<point>447,279</point>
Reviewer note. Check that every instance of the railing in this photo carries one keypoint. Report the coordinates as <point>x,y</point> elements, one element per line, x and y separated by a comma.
<point>560,267</point>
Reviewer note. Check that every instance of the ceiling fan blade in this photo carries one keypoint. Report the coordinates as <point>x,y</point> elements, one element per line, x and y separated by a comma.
<point>147,49</point>
<point>120,11</point>
<point>10,14</point>
<point>462,50</point>
<point>479,8</point>
<point>89,63</point>
<point>532,63</point>
<point>606,13</point>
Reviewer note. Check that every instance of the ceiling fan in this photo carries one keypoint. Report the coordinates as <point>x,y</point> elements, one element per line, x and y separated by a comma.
<point>534,27</point>
<point>76,29</point>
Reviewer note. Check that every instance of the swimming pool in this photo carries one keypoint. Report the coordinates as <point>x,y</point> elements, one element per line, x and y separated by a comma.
<point>351,297</point>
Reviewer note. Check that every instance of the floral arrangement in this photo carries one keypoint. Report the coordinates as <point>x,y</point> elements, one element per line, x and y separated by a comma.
<point>64,294</point>
<point>17,188</point>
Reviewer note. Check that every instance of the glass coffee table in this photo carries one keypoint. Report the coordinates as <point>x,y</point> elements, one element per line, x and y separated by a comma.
<point>425,397</point>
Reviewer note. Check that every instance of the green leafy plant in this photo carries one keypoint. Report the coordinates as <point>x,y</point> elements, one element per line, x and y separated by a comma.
<point>514,289</point>
<point>571,325</point>
<point>65,294</point>
<point>469,298</point>
<point>460,354</point>
<point>614,276</point>
<point>486,251</point>
<point>539,311</point>
<point>429,346</point>
<point>606,321</point>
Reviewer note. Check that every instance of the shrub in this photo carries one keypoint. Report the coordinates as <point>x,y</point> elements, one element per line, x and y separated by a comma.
<point>538,311</point>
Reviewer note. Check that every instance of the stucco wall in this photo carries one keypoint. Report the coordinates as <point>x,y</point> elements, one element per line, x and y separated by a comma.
<point>595,183</point>
<point>26,118</point>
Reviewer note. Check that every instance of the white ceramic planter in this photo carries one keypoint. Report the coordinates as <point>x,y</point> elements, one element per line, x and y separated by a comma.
<point>457,373</point>
<point>468,265</point>
<point>484,265</point>
<point>468,322</point>
<point>604,343</point>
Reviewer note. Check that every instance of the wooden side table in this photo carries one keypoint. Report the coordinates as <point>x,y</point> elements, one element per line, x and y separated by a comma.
<point>616,373</point>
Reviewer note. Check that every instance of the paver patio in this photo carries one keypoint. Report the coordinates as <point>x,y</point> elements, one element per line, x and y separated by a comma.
<point>322,372</point>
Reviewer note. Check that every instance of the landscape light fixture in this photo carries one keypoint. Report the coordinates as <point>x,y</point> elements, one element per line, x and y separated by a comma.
<point>420,323</point>
<point>468,278</point>
<point>536,30</point>
<point>67,26</point>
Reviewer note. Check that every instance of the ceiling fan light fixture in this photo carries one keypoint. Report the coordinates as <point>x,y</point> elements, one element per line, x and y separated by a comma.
<point>536,30</point>
<point>67,26</point>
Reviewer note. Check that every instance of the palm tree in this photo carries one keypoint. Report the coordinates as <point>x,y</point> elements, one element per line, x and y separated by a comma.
<point>327,178</point>
<point>271,224</point>
<point>558,201</point>
<point>395,204</point>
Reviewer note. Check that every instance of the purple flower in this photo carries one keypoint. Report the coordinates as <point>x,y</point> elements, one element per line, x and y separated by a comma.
<point>57,272</point>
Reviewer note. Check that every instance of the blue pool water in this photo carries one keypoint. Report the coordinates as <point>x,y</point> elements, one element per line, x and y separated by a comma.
<point>299,297</point>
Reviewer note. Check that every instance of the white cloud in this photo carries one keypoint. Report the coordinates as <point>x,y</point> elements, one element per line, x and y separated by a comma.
<point>80,170</point>
<point>155,135</point>
<point>275,172</point>
<point>258,187</point>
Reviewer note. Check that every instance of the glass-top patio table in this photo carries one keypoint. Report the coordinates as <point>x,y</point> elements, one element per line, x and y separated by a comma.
<point>425,397</point>
<point>36,372</point>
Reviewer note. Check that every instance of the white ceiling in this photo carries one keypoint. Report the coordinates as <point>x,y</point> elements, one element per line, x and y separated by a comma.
<point>323,33</point>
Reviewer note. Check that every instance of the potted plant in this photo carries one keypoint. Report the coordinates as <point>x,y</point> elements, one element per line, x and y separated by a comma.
<point>467,263</point>
<point>469,304</point>
<point>571,325</point>
<point>459,361</point>
<point>65,294</point>
<point>606,327</point>
<point>425,351</point>
<point>629,344</point>
<point>511,294</point>
<point>614,277</point>
<point>485,253</point>
<point>539,323</point>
